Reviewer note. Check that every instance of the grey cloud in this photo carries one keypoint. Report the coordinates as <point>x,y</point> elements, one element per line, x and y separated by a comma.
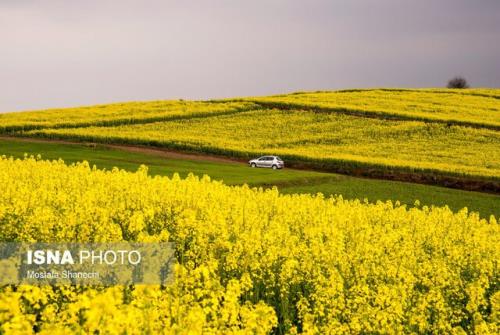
<point>66,53</point>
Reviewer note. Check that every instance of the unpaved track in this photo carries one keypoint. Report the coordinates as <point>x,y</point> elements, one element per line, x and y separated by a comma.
<point>166,153</point>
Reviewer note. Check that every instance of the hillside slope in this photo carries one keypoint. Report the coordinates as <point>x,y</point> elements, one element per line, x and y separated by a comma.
<point>447,137</point>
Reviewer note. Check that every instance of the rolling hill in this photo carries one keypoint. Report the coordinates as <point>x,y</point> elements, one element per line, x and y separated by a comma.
<point>433,136</point>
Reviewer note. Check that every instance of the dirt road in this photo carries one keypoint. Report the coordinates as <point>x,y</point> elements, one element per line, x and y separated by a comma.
<point>166,153</point>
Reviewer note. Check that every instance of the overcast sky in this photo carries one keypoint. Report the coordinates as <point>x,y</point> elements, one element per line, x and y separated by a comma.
<point>68,53</point>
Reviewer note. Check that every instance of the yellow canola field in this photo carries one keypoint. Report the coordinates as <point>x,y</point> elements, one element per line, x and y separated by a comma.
<point>327,140</point>
<point>249,261</point>
<point>477,107</point>
<point>114,114</point>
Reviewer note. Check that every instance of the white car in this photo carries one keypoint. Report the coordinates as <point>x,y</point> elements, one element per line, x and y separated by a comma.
<point>273,162</point>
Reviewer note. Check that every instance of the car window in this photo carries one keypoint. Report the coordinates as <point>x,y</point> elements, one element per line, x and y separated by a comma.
<point>278,158</point>
<point>262,158</point>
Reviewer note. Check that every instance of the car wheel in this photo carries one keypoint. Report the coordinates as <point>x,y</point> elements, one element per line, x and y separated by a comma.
<point>253,165</point>
<point>274,167</point>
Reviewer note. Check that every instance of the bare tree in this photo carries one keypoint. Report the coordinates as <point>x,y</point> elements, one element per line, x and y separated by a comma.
<point>458,82</point>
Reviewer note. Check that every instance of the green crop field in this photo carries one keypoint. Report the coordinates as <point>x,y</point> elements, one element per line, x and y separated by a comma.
<point>288,180</point>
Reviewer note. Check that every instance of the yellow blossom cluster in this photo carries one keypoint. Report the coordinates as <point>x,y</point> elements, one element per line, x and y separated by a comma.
<point>249,261</point>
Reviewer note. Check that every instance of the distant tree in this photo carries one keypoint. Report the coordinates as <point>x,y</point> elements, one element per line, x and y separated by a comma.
<point>458,82</point>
